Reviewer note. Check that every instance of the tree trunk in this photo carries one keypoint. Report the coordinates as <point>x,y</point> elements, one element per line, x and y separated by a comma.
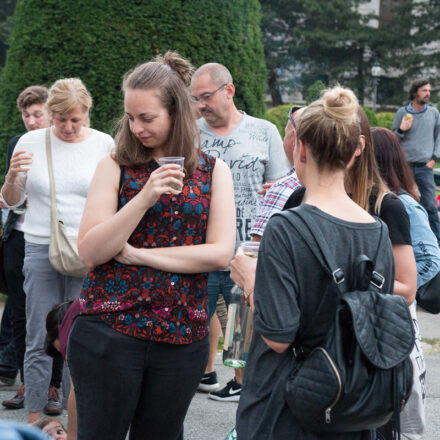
<point>274,90</point>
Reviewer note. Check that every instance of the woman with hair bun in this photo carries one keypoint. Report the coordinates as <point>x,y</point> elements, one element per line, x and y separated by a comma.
<point>150,234</point>
<point>76,150</point>
<point>290,286</point>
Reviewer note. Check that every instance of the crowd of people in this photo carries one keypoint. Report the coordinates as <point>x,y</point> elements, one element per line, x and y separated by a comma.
<point>138,334</point>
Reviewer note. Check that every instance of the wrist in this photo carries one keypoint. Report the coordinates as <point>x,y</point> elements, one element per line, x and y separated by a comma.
<point>11,180</point>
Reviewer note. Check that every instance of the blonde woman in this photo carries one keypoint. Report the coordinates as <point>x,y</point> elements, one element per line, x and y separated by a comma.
<point>290,286</point>
<point>76,150</point>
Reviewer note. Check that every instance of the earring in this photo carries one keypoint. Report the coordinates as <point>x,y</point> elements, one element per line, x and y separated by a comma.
<point>302,159</point>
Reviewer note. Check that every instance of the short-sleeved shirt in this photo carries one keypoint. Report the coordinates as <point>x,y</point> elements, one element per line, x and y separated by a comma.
<point>290,287</point>
<point>274,201</point>
<point>147,303</point>
<point>393,213</point>
<point>254,152</point>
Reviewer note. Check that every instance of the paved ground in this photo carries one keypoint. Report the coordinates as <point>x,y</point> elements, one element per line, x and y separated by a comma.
<point>211,420</point>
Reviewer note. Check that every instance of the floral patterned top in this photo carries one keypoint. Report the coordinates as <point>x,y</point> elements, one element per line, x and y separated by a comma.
<point>143,302</point>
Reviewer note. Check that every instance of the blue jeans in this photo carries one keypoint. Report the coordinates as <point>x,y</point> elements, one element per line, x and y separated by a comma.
<point>424,178</point>
<point>219,282</point>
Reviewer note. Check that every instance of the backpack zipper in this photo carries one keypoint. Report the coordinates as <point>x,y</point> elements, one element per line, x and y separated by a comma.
<point>338,377</point>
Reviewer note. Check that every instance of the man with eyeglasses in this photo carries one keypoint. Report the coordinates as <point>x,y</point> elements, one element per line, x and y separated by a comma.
<point>253,149</point>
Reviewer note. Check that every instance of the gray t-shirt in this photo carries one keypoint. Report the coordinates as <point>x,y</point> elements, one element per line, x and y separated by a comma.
<point>290,287</point>
<point>253,150</point>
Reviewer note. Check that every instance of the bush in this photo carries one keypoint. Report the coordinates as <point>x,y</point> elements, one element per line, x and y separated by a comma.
<point>370,115</point>
<point>98,41</point>
<point>314,91</point>
<point>278,116</point>
<point>385,119</point>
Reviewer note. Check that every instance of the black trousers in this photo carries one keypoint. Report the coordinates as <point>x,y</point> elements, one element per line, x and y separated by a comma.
<point>123,382</point>
<point>13,251</point>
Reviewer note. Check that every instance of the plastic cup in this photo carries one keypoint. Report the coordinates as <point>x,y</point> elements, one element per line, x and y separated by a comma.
<point>174,160</point>
<point>250,248</point>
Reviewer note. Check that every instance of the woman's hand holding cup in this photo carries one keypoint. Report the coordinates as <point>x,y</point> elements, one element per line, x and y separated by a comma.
<point>167,179</point>
<point>21,161</point>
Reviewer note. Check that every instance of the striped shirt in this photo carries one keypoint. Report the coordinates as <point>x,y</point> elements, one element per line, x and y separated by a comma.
<point>275,200</point>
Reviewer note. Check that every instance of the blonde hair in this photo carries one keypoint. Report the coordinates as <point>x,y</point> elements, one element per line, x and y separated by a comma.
<point>66,94</point>
<point>330,128</point>
<point>363,178</point>
<point>44,421</point>
<point>169,75</point>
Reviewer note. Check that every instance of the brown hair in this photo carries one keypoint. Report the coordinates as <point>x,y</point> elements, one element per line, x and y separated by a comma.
<point>363,177</point>
<point>415,86</point>
<point>330,128</point>
<point>392,162</point>
<point>44,421</point>
<point>169,74</point>
<point>32,95</point>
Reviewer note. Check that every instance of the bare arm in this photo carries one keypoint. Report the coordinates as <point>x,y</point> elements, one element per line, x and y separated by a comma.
<point>278,347</point>
<point>215,254</point>
<point>104,230</point>
<point>13,189</point>
<point>405,281</point>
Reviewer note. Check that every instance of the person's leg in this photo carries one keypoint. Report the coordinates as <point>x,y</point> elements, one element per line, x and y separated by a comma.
<point>13,250</point>
<point>222,313</point>
<point>71,411</point>
<point>6,325</point>
<point>232,390</point>
<point>107,370</point>
<point>209,380</point>
<point>170,382</point>
<point>42,286</point>
<point>424,178</point>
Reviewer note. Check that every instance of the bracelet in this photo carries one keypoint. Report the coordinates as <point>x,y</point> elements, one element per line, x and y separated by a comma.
<point>9,183</point>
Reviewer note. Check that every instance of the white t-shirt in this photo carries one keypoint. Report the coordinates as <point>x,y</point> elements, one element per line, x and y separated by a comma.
<point>74,165</point>
<point>254,152</point>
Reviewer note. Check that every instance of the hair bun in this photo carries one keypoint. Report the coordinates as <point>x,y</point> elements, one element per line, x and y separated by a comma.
<point>340,103</point>
<point>181,66</point>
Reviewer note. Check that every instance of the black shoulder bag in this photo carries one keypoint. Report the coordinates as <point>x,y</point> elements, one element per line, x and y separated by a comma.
<point>361,374</point>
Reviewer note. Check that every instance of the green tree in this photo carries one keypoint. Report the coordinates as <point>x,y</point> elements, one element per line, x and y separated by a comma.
<point>328,39</point>
<point>6,12</point>
<point>99,41</point>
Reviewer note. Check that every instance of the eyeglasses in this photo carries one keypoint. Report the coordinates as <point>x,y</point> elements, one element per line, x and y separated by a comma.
<point>207,96</point>
<point>292,110</point>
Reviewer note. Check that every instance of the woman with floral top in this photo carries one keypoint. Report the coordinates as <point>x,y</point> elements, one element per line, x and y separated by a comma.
<point>138,350</point>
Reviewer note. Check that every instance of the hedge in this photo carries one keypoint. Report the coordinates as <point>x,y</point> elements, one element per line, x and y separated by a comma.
<point>98,41</point>
<point>278,116</point>
<point>385,119</point>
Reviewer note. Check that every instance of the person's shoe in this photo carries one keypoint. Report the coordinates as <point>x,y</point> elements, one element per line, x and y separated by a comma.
<point>53,406</point>
<point>230,393</point>
<point>209,382</point>
<point>17,402</point>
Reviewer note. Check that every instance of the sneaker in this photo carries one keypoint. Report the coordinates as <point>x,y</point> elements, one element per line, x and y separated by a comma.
<point>230,393</point>
<point>53,406</point>
<point>209,382</point>
<point>17,402</point>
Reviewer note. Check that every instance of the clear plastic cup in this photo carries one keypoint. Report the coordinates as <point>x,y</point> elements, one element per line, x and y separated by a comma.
<point>174,160</point>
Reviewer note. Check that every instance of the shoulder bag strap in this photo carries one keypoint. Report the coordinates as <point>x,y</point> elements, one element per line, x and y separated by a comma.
<point>53,199</point>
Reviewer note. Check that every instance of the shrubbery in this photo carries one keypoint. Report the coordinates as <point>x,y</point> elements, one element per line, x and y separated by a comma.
<point>278,116</point>
<point>385,119</point>
<point>98,41</point>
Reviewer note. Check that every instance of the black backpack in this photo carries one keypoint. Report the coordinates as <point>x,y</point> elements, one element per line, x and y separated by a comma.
<point>361,375</point>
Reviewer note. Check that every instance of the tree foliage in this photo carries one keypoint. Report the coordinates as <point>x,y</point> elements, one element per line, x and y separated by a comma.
<point>99,41</point>
<point>328,40</point>
<point>6,12</point>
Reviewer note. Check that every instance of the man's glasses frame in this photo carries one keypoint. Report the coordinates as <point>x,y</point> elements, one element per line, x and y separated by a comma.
<point>292,110</point>
<point>207,96</point>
